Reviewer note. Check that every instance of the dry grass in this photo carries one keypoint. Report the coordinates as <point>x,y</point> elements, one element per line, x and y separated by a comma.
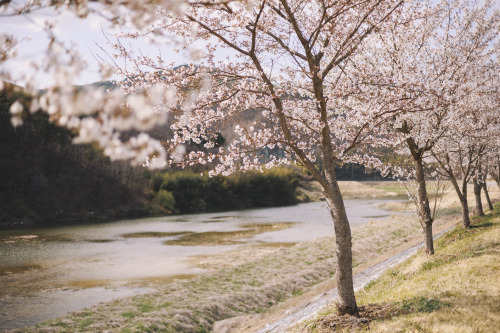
<point>456,290</point>
<point>356,190</point>
<point>369,190</point>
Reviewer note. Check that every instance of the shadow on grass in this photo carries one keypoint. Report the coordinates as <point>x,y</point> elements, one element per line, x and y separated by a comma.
<point>482,225</point>
<point>376,312</point>
<point>474,307</point>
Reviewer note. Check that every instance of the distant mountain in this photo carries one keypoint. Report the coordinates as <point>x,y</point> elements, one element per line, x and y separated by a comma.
<point>106,84</point>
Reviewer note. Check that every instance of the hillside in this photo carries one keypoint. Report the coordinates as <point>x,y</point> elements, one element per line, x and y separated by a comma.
<point>44,178</point>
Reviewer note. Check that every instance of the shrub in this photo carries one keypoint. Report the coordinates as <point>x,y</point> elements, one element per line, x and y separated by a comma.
<point>165,199</point>
<point>195,193</point>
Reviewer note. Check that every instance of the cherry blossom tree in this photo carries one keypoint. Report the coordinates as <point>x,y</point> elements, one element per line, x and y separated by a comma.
<point>97,116</point>
<point>491,161</point>
<point>495,169</point>
<point>286,70</point>
<point>424,71</point>
<point>477,187</point>
<point>460,153</point>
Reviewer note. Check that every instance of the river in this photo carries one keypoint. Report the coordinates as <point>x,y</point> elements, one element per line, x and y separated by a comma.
<point>47,272</point>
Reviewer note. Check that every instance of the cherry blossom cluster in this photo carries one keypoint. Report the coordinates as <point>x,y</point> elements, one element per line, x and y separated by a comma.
<point>362,76</point>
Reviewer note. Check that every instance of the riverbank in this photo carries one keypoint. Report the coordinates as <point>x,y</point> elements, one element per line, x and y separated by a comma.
<point>245,282</point>
<point>456,290</point>
<point>305,191</point>
<point>247,287</point>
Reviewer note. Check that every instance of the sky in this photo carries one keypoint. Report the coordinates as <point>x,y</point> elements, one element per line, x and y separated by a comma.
<point>87,34</point>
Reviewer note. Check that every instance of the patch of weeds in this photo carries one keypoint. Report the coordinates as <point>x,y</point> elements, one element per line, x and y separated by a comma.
<point>397,234</point>
<point>253,283</point>
<point>85,323</point>
<point>100,240</point>
<point>125,330</point>
<point>297,292</point>
<point>129,314</point>
<point>85,313</point>
<point>450,294</point>
<point>393,273</point>
<point>233,308</point>
<point>145,306</point>
<point>59,324</point>
<point>474,252</point>
<point>370,285</point>
<point>166,304</point>
<point>152,328</point>
<point>212,238</point>
<point>483,224</point>
<point>201,329</point>
<point>423,304</point>
<point>458,233</point>
<point>432,264</point>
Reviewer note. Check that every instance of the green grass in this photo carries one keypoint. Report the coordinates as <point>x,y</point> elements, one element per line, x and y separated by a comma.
<point>129,314</point>
<point>455,290</point>
<point>85,323</point>
<point>422,304</point>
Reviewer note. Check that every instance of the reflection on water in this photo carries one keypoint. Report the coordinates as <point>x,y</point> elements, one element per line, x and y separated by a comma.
<point>78,266</point>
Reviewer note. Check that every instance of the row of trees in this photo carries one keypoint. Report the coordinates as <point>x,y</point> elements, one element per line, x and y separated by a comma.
<point>330,81</point>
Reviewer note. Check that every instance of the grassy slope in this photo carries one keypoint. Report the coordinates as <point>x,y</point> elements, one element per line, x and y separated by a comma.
<point>456,290</point>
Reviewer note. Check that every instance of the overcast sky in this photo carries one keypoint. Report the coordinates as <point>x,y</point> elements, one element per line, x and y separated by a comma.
<point>87,34</point>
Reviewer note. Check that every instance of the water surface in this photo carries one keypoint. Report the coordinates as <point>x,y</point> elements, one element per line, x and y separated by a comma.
<point>47,272</point>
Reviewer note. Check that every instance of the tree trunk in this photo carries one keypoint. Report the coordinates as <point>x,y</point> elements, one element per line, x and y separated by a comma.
<point>465,204</point>
<point>462,195</point>
<point>424,210</point>
<point>487,195</point>
<point>477,195</point>
<point>465,212</point>
<point>429,241</point>
<point>346,300</point>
